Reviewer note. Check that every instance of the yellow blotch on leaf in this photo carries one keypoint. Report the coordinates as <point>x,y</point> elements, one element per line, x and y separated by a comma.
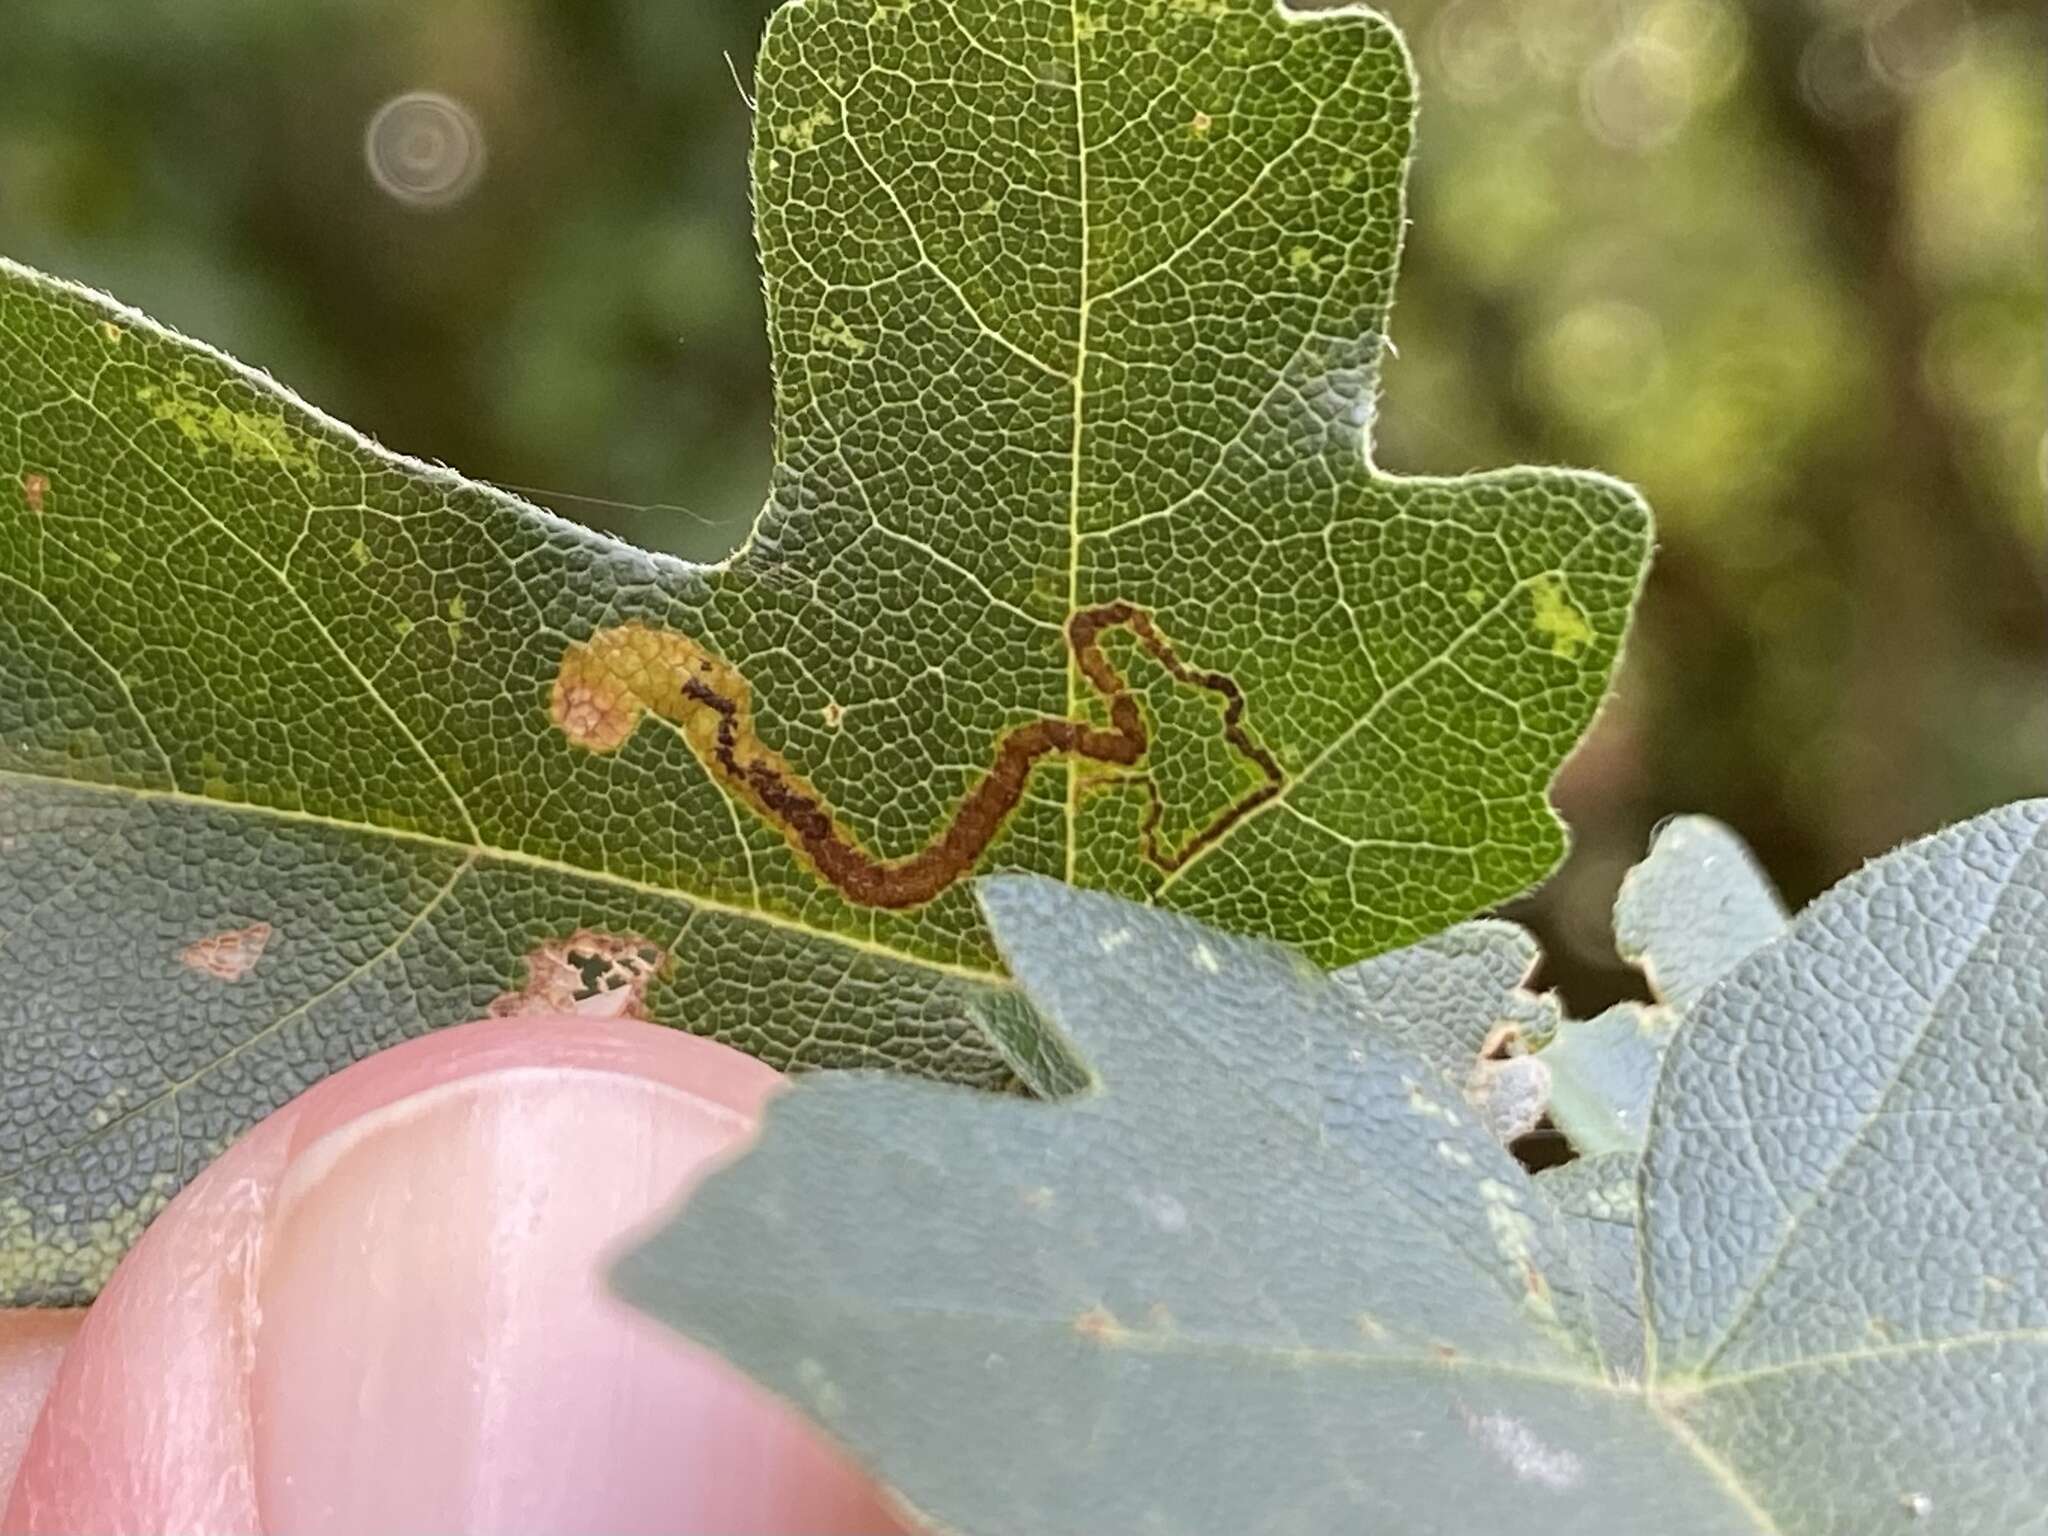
<point>802,132</point>
<point>246,436</point>
<point>605,684</point>
<point>1557,619</point>
<point>837,333</point>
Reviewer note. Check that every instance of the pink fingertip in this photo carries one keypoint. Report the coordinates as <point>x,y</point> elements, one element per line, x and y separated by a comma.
<point>384,1310</point>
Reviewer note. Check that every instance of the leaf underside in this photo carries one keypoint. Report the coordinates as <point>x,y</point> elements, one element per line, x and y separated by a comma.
<point>1075,310</point>
<point>1693,909</point>
<point>1272,1275</point>
<point>1687,915</point>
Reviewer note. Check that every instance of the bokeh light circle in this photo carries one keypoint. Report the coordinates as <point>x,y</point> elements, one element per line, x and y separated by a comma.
<point>424,149</point>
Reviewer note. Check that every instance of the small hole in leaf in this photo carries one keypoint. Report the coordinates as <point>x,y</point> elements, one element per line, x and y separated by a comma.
<point>1543,1147</point>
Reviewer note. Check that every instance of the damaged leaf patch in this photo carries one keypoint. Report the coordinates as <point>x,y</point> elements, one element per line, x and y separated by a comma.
<point>562,974</point>
<point>227,956</point>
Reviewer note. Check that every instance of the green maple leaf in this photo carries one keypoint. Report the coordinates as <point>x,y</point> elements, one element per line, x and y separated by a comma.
<point>1074,561</point>
<point>1273,1275</point>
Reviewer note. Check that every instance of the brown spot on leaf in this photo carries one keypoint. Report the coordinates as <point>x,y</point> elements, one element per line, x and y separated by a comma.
<point>34,487</point>
<point>564,975</point>
<point>1100,1324</point>
<point>227,956</point>
<point>833,713</point>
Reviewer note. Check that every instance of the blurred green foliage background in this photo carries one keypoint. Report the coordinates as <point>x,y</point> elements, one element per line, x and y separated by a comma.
<point>1780,262</point>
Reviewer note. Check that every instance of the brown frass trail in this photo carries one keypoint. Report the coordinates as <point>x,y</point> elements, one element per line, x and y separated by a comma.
<point>607,683</point>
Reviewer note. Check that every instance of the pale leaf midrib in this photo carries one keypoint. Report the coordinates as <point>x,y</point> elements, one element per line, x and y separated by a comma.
<point>1676,1391</point>
<point>1723,1475</point>
<point>1079,386</point>
<point>481,850</point>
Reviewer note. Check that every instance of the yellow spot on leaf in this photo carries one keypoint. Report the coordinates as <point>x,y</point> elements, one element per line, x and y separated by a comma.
<point>836,333</point>
<point>1100,1324</point>
<point>82,1250</point>
<point>802,132</point>
<point>1200,126</point>
<point>34,487</point>
<point>245,436</point>
<point>1557,620</point>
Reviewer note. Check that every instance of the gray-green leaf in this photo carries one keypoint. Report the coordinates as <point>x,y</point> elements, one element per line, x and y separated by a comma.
<point>1602,1073</point>
<point>1846,1196</point>
<point>1270,1276</point>
<point>1694,908</point>
<point>1688,914</point>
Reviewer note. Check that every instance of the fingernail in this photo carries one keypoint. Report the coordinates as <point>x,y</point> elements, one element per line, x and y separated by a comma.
<point>436,1351</point>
